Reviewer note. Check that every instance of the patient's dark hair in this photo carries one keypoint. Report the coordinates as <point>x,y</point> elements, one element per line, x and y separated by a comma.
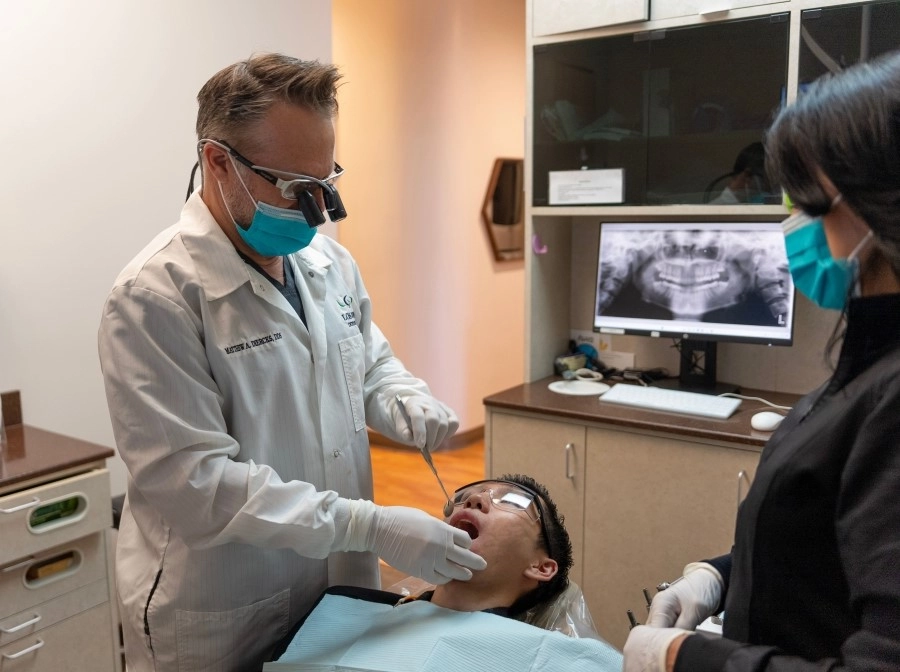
<point>560,547</point>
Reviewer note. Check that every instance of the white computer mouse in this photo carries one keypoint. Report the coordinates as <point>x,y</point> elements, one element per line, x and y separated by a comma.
<point>766,421</point>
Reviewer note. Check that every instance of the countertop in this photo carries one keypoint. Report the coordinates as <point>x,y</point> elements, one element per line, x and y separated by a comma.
<point>33,453</point>
<point>537,398</point>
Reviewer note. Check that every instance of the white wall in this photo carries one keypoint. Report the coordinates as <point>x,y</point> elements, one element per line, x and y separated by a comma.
<point>433,93</point>
<point>97,137</point>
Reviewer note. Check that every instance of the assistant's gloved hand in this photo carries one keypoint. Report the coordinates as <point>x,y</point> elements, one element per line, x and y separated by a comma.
<point>689,601</point>
<point>409,540</point>
<point>430,421</point>
<point>646,648</point>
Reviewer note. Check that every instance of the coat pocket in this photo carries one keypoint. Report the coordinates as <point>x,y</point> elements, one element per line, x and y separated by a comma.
<point>354,362</point>
<point>239,640</point>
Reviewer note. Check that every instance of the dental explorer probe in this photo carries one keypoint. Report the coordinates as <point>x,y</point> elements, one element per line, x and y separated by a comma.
<point>448,507</point>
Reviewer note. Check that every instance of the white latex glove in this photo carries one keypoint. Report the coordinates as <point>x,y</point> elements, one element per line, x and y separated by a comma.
<point>430,421</point>
<point>690,600</point>
<point>646,648</point>
<point>412,541</point>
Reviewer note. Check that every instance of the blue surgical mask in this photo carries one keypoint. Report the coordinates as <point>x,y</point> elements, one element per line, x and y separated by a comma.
<point>826,281</point>
<point>273,232</point>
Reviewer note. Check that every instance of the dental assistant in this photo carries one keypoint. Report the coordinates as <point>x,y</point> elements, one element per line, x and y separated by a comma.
<point>242,367</point>
<point>813,579</point>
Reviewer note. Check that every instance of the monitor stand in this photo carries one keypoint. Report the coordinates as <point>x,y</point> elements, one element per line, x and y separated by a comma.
<point>697,372</point>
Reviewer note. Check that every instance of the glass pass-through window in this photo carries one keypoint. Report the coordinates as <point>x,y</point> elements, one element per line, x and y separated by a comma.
<point>662,117</point>
<point>835,38</point>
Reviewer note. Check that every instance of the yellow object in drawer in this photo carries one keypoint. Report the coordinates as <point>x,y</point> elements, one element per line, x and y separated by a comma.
<point>46,575</point>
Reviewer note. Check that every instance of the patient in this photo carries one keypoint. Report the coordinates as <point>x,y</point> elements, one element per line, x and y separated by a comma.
<point>516,527</point>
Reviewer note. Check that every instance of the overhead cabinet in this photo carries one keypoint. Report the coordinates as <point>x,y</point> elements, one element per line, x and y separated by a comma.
<point>561,16</point>
<point>664,113</point>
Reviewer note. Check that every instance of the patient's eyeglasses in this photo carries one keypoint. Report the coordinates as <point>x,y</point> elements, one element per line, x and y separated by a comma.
<point>509,496</point>
<point>504,495</point>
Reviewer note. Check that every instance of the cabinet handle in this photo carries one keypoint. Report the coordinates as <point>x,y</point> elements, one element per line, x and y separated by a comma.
<point>21,626</point>
<point>742,476</point>
<point>33,647</point>
<point>21,563</point>
<point>21,507</point>
<point>570,448</point>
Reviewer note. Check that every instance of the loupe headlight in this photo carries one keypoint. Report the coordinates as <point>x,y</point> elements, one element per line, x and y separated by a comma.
<point>302,188</point>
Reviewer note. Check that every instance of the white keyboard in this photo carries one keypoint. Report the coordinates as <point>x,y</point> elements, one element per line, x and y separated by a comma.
<point>673,401</point>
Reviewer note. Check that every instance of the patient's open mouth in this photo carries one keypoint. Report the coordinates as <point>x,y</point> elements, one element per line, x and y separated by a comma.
<point>468,527</point>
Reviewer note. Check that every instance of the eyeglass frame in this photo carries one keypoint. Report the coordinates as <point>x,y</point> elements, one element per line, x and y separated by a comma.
<point>535,497</point>
<point>333,204</point>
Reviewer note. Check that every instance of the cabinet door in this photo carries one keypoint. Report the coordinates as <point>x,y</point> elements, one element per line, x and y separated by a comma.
<point>838,37</point>
<point>562,16</point>
<point>553,454</point>
<point>663,107</point>
<point>652,505</point>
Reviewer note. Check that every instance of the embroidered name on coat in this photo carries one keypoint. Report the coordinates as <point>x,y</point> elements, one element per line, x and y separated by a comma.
<point>256,342</point>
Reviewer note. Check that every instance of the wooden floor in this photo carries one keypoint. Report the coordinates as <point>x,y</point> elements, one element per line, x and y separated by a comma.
<point>402,478</point>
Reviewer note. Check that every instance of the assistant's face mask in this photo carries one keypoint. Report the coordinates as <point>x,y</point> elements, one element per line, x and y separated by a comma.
<point>273,232</point>
<point>826,281</point>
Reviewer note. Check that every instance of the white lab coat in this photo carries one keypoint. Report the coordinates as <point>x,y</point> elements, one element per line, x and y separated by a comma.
<point>240,428</point>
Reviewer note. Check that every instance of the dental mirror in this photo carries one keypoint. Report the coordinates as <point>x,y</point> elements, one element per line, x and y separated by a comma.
<point>448,507</point>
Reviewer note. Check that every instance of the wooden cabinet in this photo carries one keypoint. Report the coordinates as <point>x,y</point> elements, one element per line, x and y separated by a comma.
<point>653,503</point>
<point>55,512</point>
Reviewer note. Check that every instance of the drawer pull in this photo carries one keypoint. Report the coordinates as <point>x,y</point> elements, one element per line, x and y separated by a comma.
<point>21,507</point>
<point>570,447</point>
<point>21,563</point>
<point>21,626</point>
<point>33,647</point>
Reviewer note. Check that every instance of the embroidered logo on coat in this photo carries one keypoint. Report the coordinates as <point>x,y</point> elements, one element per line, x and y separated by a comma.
<point>349,316</point>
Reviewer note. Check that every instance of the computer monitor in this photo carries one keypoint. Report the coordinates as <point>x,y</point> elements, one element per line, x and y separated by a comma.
<point>699,282</point>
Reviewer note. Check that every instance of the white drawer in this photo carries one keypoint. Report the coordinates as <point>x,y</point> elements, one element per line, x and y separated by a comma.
<point>73,645</point>
<point>54,513</point>
<point>51,573</point>
<point>34,619</point>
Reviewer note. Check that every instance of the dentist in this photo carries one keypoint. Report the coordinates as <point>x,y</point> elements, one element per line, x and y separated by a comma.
<point>242,367</point>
